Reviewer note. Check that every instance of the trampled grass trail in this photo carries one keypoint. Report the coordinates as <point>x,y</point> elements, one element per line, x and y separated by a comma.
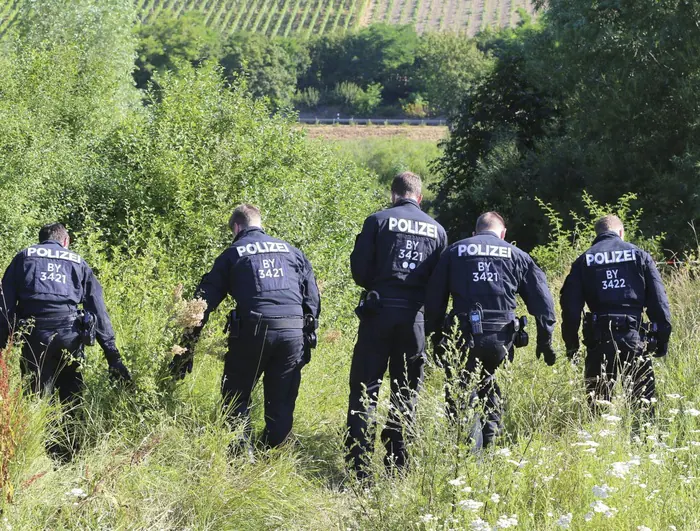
<point>158,459</point>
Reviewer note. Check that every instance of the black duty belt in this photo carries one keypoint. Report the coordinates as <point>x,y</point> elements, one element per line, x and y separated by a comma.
<point>402,303</point>
<point>282,323</point>
<point>493,320</point>
<point>617,321</point>
<point>49,321</point>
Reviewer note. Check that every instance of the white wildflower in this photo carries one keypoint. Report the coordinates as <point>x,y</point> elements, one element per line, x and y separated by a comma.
<point>588,516</point>
<point>519,464</point>
<point>426,518</point>
<point>654,459</point>
<point>599,507</point>
<point>603,491</point>
<point>77,493</point>
<point>495,498</point>
<point>610,418</point>
<point>606,433</point>
<point>674,411</point>
<point>565,520</point>
<point>692,412</point>
<point>467,490</point>
<point>583,434</point>
<point>480,525</point>
<point>610,513</point>
<point>505,522</point>
<point>674,396</point>
<point>505,452</point>
<point>601,402</point>
<point>591,444</point>
<point>470,505</point>
<point>457,482</point>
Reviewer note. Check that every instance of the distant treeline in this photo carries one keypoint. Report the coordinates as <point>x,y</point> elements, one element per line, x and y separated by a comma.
<point>381,70</point>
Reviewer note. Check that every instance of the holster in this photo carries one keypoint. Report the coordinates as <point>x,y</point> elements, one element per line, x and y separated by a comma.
<point>521,338</point>
<point>370,304</point>
<point>87,323</point>
<point>233,325</point>
<point>310,337</point>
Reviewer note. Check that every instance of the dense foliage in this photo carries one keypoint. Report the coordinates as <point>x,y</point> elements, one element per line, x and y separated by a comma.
<point>378,70</point>
<point>600,97</point>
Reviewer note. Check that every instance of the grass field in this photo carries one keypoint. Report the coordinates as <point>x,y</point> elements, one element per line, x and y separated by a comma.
<point>356,132</point>
<point>316,17</point>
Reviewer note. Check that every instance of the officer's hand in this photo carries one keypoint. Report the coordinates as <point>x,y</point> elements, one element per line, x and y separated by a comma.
<point>118,371</point>
<point>661,350</point>
<point>181,365</point>
<point>438,350</point>
<point>546,349</point>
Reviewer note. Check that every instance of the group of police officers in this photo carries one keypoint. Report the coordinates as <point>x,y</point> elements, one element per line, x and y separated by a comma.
<point>53,304</point>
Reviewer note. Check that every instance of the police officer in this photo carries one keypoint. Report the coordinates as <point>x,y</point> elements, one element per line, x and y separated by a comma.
<point>393,258</point>
<point>41,291</point>
<point>617,281</point>
<point>272,328</point>
<point>484,274</point>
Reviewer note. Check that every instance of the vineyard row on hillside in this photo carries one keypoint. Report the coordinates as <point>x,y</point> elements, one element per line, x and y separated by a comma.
<point>317,17</point>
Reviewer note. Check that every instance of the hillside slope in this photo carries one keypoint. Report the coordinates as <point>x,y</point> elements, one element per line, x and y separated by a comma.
<point>315,17</point>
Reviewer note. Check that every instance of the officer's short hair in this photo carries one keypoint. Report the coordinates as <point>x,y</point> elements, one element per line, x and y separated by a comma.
<point>406,184</point>
<point>490,221</point>
<point>245,215</point>
<point>608,223</point>
<point>53,231</point>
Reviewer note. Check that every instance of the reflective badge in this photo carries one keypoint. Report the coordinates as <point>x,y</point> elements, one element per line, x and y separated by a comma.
<point>271,272</point>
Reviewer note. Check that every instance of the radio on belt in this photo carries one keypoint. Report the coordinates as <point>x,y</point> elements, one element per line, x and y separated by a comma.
<point>475,321</point>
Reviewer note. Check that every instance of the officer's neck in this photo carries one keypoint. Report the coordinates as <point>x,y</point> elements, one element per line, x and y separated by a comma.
<point>247,230</point>
<point>488,233</point>
<point>53,241</point>
<point>607,235</point>
<point>406,201</point>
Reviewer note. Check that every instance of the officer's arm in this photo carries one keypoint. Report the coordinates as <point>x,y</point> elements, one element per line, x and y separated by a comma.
<point>572,299</point>
<point>362,258</point>
<point>212,289</point>
<point>94,303</point>
<point>311,298</point>
<point>438,295</point>
<point>8,301</point>
<point>658,308</point>
<point>538,299</point>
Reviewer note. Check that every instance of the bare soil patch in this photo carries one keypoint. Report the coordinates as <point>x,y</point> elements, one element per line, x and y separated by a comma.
<point>352,132</point>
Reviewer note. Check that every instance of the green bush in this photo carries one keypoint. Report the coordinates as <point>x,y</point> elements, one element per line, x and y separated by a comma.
<point>307,99</point>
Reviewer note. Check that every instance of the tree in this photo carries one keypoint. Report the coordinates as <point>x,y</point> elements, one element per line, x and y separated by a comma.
<point>171,40</point>
<point>271,66</point>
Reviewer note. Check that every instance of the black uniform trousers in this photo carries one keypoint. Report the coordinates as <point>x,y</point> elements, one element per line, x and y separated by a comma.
<point>473,385</point>
<point>393,338</point>
<point>618,354</point>
<point>49,360</point>
<point>275,354</point>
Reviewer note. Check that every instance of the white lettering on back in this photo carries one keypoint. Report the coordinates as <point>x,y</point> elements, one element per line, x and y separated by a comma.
<point>261,248</point>
<point>411,226</point>
<point>611,257</point>
<point>56,254</point>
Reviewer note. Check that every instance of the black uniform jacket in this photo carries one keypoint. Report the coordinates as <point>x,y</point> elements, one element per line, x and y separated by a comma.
<point>262,274</point>
<point>613,277</point>
<point>396,252</point>
<point>49,280</point>
<point>487,270</point>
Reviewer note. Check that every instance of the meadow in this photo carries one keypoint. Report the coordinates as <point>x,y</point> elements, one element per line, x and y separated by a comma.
<point>146,182</point>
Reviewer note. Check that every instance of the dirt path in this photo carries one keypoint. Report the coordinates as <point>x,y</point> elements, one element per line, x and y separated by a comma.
<point>353,132</point>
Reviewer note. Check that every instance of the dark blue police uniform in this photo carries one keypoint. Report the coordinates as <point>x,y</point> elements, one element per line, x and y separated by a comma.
<point>617,281</point>
<point>274,287</point>
<point>484,273</point>
<point>393,259</point>
<point>42,289</point>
